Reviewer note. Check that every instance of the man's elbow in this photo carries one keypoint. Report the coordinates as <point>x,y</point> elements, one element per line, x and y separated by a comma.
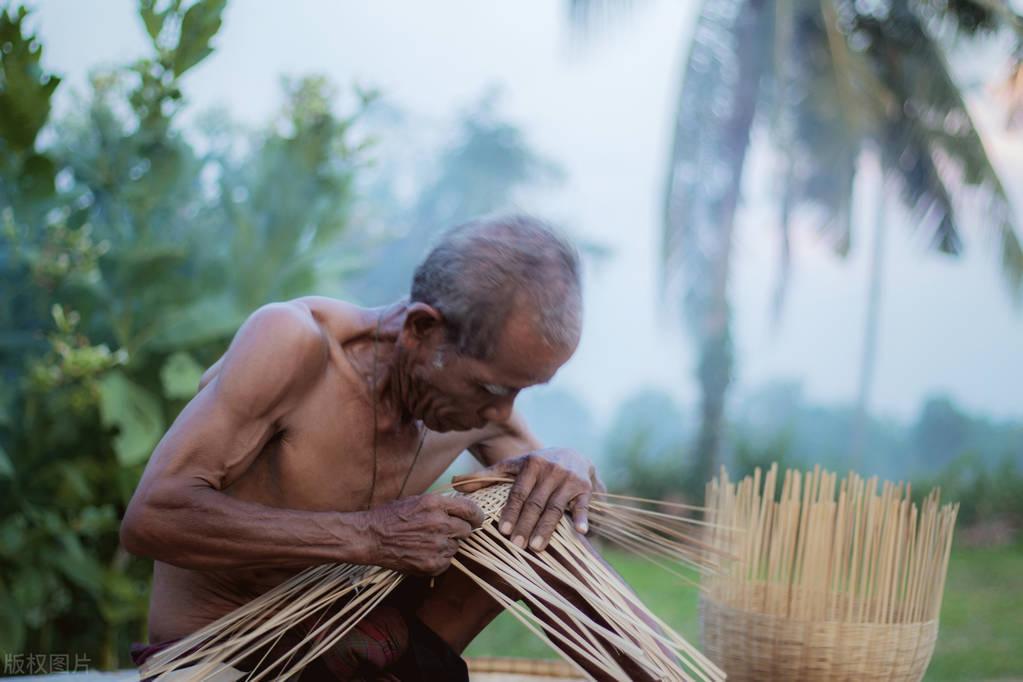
<point>136,532</point>
<point>144,528</point>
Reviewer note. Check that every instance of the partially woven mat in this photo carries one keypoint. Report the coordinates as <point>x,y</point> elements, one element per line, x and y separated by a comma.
<point>603,630</point>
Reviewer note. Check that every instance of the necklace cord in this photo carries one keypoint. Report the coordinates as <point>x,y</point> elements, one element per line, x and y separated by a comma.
<point>422,439</point>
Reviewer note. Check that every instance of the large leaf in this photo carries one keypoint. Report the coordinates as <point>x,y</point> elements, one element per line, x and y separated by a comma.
<point>152,19</point>
<point>135,412</point>
<point>180,376</point>
<point>200,24</point>
<point>78,566</point>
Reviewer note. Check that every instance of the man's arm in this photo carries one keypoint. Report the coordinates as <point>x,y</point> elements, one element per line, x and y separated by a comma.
<point>548,482</point>
<point>183,513</point>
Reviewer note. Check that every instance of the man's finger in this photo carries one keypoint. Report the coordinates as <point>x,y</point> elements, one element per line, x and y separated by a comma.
<point>520,490</point>
<point>580,512</point>
<point>463,508</point>
<point>532,508</point>
<point>467,483</point>
<point>458,528</point>
<point>550,519</point>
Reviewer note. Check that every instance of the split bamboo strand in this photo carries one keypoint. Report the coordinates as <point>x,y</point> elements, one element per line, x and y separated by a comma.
<point>615,634</point>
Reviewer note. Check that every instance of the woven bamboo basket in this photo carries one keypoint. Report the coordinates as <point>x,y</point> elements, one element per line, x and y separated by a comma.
<point>824,587</point>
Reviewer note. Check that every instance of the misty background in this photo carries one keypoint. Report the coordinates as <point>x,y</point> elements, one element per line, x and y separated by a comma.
<point>198,159</point>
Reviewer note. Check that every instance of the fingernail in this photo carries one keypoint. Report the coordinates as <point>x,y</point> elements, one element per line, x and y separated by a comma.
<point>583,527</point>
<point>536,543</point>
<point>506,527</point>
<point>519,541</point>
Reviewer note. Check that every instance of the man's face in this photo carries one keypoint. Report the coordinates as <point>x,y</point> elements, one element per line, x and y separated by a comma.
<point>454,392</point>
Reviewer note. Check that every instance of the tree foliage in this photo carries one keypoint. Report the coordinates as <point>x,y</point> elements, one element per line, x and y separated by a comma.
<point>827,81</point>
<point>129,254</point>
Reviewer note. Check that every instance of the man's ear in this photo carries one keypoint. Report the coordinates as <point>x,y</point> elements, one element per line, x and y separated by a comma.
<point>423,322</point>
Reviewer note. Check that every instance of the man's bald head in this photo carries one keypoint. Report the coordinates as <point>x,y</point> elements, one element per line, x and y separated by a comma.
<point>483,271</point>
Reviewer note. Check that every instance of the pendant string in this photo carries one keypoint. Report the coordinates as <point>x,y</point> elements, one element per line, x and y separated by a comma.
<point>412,466</point>
<point>422,439</point>
<point>373,481</point>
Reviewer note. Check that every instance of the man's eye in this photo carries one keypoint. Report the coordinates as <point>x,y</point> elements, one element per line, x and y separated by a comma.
<point>494,389</point>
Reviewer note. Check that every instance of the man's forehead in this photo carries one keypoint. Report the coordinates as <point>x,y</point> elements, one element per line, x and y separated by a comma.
<point>522,356</point>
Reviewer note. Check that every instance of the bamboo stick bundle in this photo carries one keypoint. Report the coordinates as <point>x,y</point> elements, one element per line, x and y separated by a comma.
<point>328,601</point>
<point>831,579</point>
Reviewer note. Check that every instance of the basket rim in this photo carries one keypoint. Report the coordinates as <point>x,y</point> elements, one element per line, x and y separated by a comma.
<point>718,604</point>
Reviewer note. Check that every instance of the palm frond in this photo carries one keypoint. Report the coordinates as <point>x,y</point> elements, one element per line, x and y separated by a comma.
<point>931,142</point>
<point>590,18</point>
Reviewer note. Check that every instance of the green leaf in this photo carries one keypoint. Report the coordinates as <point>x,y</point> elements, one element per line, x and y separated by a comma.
<point>12,629</point>
<point>6,467</point>
<point>135,412</point>
<point>37,175</point>
<point>152,19</point>
<point>206,320</point>
<point>124,599</point>
<point>12,537</point>
<point>200,24</point>
<point>78,566</point>
<point>180,376</point>
<point>28,587</point>
<point>25,88</point>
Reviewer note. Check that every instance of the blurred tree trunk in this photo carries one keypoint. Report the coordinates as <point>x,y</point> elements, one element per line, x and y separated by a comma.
<point>716,353</point>
<point>870,335</point>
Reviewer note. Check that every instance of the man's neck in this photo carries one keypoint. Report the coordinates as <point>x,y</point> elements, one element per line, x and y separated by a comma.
<point>389,379</point>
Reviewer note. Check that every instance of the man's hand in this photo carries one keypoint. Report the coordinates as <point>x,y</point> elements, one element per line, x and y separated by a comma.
<point>547,483</point>
<point>420,534</point>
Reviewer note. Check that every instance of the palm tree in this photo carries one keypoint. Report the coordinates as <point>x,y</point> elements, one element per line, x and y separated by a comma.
<point>829,81</point>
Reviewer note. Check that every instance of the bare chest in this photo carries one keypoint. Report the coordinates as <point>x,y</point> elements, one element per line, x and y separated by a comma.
<point>329,457</point>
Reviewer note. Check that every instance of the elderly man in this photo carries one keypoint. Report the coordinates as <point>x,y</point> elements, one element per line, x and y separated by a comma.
<point>314,437</point>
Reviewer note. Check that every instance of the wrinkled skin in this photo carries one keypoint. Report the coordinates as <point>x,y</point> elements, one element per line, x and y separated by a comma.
<point>296,449</point>
<point>419,535</point>
<point>548,483</point>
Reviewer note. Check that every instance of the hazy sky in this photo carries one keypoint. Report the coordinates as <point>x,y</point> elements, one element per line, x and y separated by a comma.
<point>603,111</point>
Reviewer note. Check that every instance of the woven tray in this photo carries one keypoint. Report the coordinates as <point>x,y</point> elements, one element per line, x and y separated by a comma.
<point>757,646</point>
<point>509,669</point>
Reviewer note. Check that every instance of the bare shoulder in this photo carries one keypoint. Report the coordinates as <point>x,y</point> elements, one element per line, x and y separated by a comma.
<point>280,349</point>
<point>340,319</point>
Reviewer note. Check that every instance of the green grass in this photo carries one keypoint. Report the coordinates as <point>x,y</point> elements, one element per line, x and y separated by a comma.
<point>980,637</point>
<point>981,631</point>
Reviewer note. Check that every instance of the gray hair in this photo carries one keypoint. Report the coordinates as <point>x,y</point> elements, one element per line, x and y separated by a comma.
<point>480,271</point>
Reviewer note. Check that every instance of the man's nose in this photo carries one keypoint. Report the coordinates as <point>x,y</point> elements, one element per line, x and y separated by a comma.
<point>499,410</point>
